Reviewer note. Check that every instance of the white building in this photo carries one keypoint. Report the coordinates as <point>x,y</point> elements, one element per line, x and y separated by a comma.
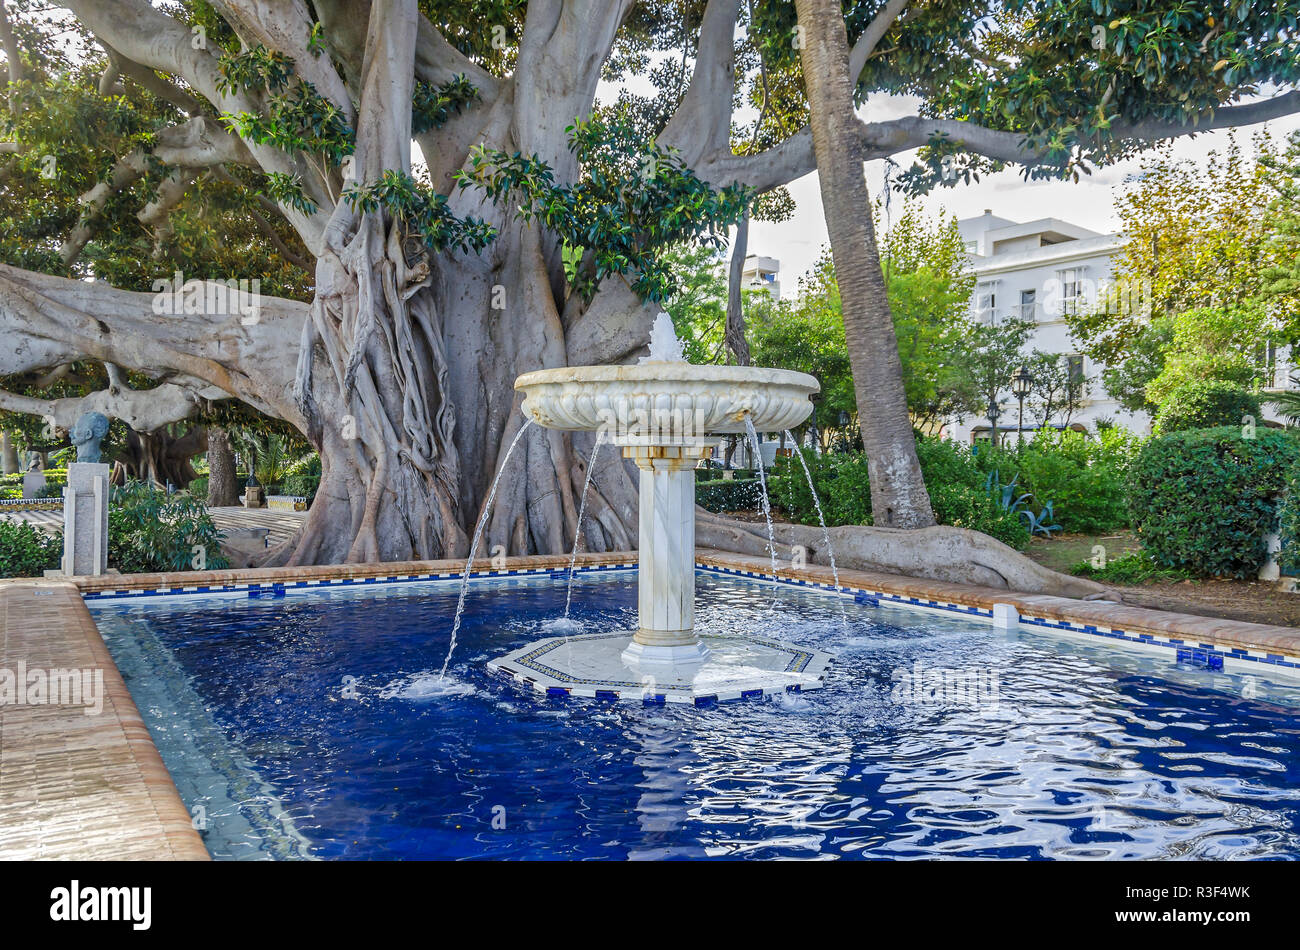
<point>762,273</point>
<point>1041,270</point>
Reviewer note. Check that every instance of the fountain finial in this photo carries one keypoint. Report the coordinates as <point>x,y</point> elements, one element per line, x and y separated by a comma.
<point>664,345</point>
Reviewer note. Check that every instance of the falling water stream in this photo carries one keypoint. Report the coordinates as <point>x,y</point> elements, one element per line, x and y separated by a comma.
<point>582,508</point>
<point>473,548</point>
<point>762,484</point>
<point>826,535</point>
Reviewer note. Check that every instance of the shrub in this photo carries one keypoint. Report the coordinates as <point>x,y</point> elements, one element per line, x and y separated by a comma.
<point>149,530</point>
<point>1082,477</point>
<point>965,507</point>
<point>1204,404</point>
<point>956,485</point>
<point>304,484</point>
<point>1205,499</point>
<point>1289,525</point>
<point>736,494</point>
<point>26,551</point>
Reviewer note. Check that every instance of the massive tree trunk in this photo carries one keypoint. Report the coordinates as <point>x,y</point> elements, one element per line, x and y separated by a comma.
<point>9,462</point>
<point>162,458</point>
<point>222,490</point>
<point>898,495</point>
<point>420,352</point>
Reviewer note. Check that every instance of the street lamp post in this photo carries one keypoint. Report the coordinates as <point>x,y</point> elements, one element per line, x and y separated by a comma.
<point>1021,382</point>
<point>994,411</point>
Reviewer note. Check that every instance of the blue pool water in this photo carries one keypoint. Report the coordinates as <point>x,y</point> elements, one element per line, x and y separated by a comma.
<point>314,726</point>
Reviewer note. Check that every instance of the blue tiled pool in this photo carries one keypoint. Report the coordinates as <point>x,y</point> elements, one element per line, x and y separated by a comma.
<point>313,725</point>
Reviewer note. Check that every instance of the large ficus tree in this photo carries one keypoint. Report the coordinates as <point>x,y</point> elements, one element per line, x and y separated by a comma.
<point>532,235</point>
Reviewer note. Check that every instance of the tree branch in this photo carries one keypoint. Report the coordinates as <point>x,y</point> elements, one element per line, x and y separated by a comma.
<point>872,36</point>
<point>144,410</point>
<point>48,321</point>
<point>701,125</point>
<point>198,143</point>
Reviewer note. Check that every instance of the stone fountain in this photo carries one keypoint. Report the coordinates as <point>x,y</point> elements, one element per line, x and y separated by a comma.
<point>665,414</point>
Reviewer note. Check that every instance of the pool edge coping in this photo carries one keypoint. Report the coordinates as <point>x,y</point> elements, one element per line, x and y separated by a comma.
<point>166,831</point>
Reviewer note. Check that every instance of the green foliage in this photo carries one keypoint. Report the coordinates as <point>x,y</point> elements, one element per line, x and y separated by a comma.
<point>432,106</point>
<point>1204,404</point>
<point>303,485</point>
<point>734,494</point>
<point>1282,222</point>
<point>287,188</point>
<point>698,303</point>
<point>1215,343</point>
<point>1017,503</point>
<point>1205,499</point>
<point>1289,524</point>
<point>632,201</point>
<point>297,118</point>
<point>149,530</point>
<point>1199,236</point>
<point>26,551</point>
<point>1084,478</point>
<point>958,491</point>
<point>1131,568</point>
<point>423,211</point>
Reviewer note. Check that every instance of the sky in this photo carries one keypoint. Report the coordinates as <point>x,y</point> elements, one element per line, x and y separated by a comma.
<point>797,243</point>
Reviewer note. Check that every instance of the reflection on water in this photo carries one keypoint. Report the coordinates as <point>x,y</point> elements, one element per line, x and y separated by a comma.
<point>932,738</point>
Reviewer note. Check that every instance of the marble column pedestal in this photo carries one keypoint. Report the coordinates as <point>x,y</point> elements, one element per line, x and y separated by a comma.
<point>666,636</point>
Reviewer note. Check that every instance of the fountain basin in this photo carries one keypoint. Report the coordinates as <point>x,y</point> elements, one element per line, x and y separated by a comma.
<point>666,403</point>
<point>665,413</point>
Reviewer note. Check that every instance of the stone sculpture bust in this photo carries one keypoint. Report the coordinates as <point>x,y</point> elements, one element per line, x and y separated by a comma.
<point>87,434</point>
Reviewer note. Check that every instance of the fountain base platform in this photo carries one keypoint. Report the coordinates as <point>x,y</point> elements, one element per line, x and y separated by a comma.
<point>601,666</point>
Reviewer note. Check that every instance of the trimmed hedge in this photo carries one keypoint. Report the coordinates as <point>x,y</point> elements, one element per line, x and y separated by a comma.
<point>1204,404</point>
<point>1205,499</point>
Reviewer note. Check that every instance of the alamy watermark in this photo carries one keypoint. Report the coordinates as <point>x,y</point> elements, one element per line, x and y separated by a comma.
<point>631,422</point>
<point>57,686</point>
<point>179,297</point>
<point>974,688</point>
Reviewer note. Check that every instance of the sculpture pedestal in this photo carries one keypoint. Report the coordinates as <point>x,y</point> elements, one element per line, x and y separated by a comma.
<point>85,519</point>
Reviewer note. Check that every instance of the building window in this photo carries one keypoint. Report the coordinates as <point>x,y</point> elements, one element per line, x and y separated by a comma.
<point>1074,365</point>
<point>1028,304</point>
<point>986,303</point>
<point>1071,290</point>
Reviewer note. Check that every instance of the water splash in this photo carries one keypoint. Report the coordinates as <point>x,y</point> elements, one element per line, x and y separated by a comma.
<point>762,484</point>
<point>473,548</point>
<point>826,535</point>
<point>664,345</point>
<point>582,508</point>
<point>424,686</point>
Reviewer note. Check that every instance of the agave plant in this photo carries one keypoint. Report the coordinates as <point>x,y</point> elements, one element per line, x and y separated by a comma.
<point>1040,523</point>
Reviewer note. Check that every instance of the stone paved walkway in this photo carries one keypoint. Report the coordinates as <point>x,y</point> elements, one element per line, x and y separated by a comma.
<point>282,522</point>
<point>74,785</point>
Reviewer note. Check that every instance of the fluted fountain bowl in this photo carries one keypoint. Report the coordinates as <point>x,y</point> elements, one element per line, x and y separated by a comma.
<point>666,403</point>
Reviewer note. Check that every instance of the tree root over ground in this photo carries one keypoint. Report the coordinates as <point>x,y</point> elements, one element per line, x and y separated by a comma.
<point>941,553</point>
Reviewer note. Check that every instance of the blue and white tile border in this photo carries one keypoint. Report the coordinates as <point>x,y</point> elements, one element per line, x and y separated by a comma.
<point>280,588</point>
<point>1211,656</point>
<point>1207,655</point>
